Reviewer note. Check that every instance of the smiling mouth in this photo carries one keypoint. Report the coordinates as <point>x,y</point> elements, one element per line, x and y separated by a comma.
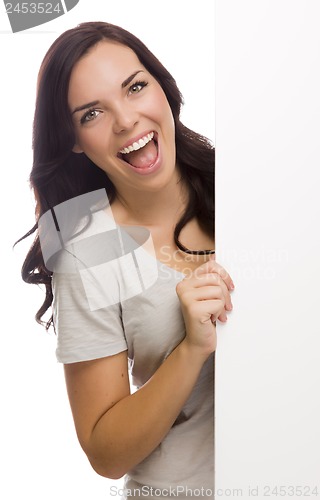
<point>142,153</point>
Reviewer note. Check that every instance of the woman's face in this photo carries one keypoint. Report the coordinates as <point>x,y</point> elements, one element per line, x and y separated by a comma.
<point>122,119</point>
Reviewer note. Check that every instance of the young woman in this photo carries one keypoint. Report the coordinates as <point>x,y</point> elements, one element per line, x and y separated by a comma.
<point>107,120</point>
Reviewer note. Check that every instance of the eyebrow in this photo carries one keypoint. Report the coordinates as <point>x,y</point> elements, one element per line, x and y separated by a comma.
<point>85,106</point>
<point>129,79</point>
<point>94,103</point>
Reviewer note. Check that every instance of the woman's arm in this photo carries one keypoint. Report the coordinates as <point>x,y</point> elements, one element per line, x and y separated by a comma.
<point>116,429</point>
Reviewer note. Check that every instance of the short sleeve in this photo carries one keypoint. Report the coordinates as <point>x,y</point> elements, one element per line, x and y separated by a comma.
<point>97,266</point>
<point>83,332</point>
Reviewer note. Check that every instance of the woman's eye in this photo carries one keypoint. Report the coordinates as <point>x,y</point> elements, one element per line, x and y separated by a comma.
<point>89,115</point>
<point>137,87</point>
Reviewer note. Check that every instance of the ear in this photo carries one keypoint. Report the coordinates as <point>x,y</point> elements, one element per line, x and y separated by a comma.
<point>77,149</point>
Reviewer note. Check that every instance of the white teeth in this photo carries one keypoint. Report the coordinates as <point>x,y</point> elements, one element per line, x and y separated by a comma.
<point>137,145</point>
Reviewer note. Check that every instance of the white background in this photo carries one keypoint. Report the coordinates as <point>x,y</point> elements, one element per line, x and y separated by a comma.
<point>268,208</point>
<point>42,458</point>
<point>267,137</point>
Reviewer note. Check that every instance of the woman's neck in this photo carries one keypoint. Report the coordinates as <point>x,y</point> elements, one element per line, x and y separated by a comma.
<point>152,208</point>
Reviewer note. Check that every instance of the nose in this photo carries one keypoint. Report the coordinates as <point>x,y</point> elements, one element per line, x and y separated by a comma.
<point>125,118</point>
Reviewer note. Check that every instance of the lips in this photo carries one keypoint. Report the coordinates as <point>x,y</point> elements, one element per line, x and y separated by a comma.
<point>140,152</point>
<point>148,167</point>
<point>138,144</point>
<point>136,139</point>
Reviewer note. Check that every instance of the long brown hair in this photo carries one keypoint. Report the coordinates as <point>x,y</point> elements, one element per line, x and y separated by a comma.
<point>58,174</point>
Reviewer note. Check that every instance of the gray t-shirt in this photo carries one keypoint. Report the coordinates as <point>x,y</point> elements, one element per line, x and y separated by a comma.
<point>142,315</point>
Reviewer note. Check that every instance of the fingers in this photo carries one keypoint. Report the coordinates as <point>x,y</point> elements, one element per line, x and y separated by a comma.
<point>210,279</point>
<point>208,293</point>
<point>211,266</point>
<point>208,310</point>
<point>204,298</point>
<point>204,293</point>
<point>215,298</point>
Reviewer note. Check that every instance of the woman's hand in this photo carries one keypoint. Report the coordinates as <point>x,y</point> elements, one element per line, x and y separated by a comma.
<point>205,297</point>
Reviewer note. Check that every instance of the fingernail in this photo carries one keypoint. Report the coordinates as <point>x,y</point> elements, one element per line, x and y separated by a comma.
<point>232,285</point>
<point>229,307</point>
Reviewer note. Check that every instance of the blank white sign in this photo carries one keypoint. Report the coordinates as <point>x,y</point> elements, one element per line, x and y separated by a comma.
<point>267,228</point>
